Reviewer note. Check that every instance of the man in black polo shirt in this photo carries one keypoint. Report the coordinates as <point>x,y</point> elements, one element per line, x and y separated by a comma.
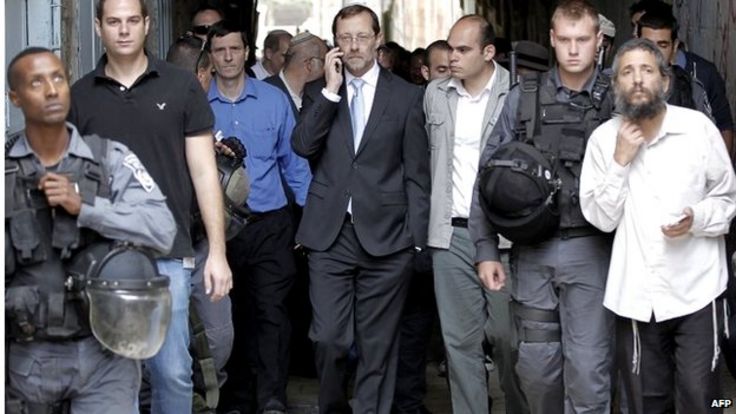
<point>161,113</point>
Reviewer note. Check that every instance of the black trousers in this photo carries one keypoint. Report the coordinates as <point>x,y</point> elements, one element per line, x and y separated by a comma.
<point>357,299</point>
<point>675,370</point>
<point>262,262</point>
<point>415,331</point>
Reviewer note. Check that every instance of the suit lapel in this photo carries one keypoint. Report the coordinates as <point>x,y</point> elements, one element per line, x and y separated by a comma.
<point>451,100</point>
<point>499,88</point>
<point>380,102</point>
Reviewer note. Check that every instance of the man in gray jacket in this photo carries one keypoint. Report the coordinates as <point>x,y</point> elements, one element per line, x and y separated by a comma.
<point>461,112</point>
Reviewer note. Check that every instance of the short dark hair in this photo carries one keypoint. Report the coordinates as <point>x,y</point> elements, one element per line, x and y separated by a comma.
<point>273,39</point>
<point>420,51</point>
<point>12,75</point>
<point>437,44</point>
<point>658,19</point>
<point>224,28</point>
<point>354,10</point>
<point>575,10</point>
<point>487,34</point>
<point>503,45</point>
<point>648,5</point>
<point>188,52</point>
<point>101,5</point>
<point>207,6</point>
<point>647,46</point>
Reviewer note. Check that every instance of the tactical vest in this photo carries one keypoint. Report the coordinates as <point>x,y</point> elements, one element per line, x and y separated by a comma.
<point>47,304</point>
<point>560,131</point>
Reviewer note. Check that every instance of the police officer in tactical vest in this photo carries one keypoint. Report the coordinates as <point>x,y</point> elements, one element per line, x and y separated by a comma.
<point>83,299</point>
<point>527,191</point>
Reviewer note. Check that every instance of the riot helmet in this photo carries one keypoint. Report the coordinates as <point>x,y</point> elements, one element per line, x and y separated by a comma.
<point>128,301</point>
<point>517,193</point>
<point>235,186</point>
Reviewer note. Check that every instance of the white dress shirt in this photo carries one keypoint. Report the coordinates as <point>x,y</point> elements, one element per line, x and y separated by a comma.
<point>295,97</point>
<point>259,70</point>
<point>685,165</point>
<point>469,116</point>
<point>370,80</point>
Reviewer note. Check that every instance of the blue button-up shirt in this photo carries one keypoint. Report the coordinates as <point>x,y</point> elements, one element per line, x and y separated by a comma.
<point>261,119</point>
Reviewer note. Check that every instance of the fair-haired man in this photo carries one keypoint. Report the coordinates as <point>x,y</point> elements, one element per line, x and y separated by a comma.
<point>559,269</point>
<point>161,113</point>
<point>660,176</point>
<point>366,212</point>
<point>461,112</point>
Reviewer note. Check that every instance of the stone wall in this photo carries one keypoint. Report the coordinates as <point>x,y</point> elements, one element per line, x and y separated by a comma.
<point>709,29</point>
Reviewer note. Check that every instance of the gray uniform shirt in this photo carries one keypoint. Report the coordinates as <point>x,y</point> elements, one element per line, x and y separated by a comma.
<point>136,210</point>
<point>481,231</point>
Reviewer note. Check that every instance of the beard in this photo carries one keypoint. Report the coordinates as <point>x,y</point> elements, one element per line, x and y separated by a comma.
<point>648,108</point>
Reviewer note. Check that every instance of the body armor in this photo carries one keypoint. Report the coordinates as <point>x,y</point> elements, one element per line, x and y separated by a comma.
<point>40,302</point>
<point>559,133</point>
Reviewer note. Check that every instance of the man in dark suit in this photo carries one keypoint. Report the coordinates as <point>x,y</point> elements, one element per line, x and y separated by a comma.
<point>366,212</point>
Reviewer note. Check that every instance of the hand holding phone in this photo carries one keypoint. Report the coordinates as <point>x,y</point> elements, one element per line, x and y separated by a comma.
<point>678,225</point>
<point>333,69</point>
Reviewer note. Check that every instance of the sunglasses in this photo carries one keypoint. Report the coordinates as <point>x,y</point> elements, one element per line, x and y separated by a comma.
<point>202,29</point>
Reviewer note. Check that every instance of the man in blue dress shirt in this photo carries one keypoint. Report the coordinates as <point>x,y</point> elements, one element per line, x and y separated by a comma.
<point>260,116</point>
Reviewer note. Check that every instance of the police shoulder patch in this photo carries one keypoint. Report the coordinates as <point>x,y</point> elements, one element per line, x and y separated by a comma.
<point>132,162</point>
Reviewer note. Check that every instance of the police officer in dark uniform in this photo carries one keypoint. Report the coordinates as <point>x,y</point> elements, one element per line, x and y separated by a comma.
<point>65,192</point>
<point>528,186</point>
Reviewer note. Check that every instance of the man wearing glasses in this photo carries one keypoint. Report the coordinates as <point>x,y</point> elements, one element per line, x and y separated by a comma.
<point>366,212</point>
<point>304,62</point>
<point>204,17</point>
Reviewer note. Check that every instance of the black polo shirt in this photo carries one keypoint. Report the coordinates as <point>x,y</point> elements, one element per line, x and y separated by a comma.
<point>152,117</point>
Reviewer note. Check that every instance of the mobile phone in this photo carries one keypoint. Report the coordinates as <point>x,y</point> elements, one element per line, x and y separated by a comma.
<point>675,220</point>
<point>338,63</point>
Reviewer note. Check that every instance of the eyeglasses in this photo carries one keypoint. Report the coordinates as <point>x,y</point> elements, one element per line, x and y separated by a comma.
<point>201,29</point>
<point>361,38</point>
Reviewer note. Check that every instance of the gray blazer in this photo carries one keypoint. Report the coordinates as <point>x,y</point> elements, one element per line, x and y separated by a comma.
<point>440,104</point>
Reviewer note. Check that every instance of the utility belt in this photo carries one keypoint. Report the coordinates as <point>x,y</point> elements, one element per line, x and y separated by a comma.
<point>58,316</point>
<point>14,405</point>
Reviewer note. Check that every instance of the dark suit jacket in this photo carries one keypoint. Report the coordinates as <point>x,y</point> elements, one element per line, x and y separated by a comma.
<point>276,81</point>
<point>388,178</point>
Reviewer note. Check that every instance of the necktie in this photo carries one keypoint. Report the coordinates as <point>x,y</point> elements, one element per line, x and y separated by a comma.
<point>356,111</point>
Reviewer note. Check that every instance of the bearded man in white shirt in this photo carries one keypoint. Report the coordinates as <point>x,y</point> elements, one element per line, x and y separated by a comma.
<point>661,177</point>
